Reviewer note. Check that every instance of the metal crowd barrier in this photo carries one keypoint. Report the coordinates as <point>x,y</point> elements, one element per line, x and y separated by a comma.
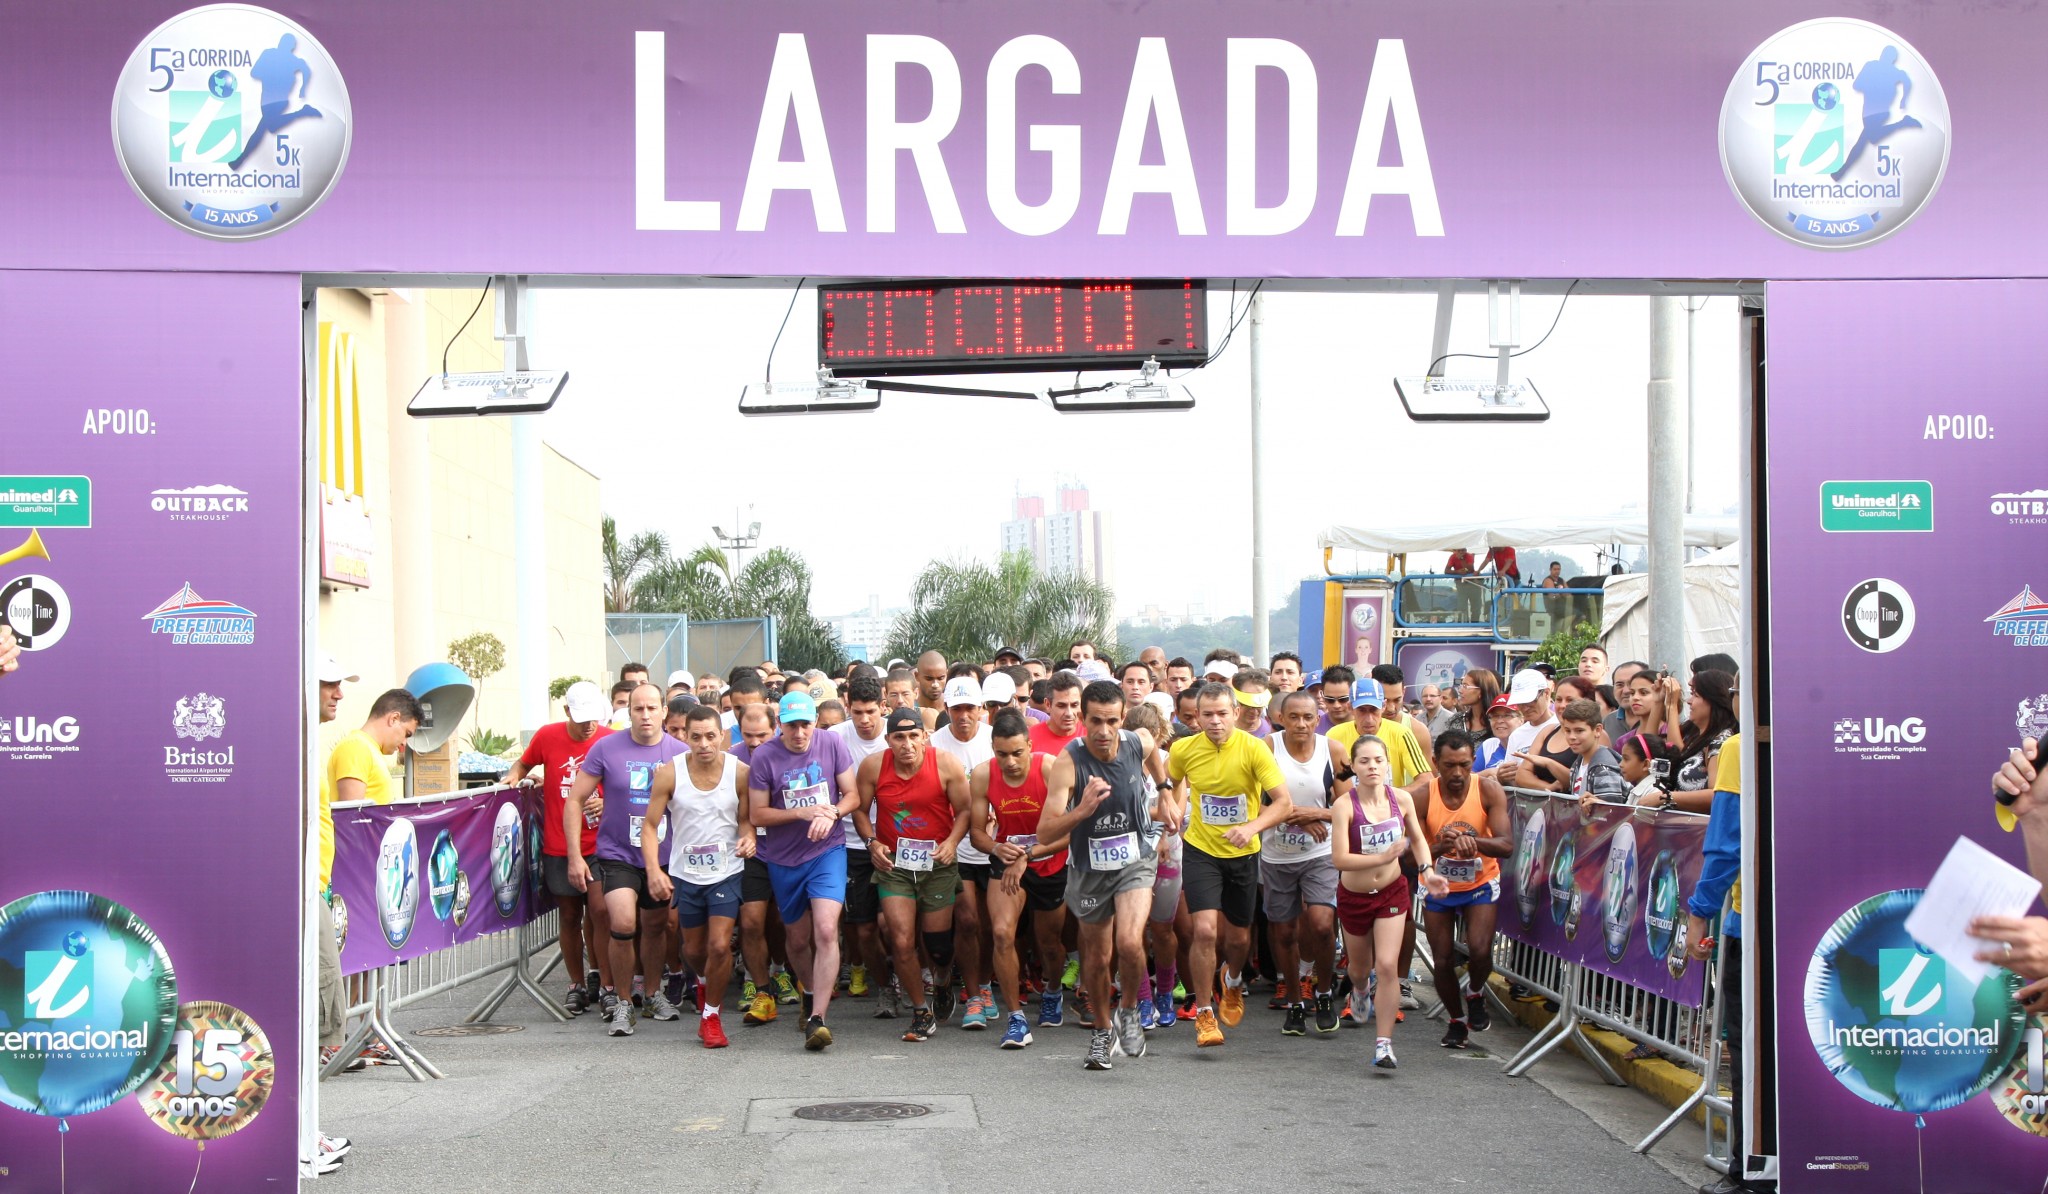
<point>1688,1036</point>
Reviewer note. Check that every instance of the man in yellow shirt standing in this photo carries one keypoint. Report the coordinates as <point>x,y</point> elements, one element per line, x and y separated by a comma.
<point>355,771</point>
<point>1221,776</point>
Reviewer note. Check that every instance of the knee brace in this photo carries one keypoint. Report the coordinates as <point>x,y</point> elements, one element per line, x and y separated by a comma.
<point>940,946</point>
<point>618,936</point>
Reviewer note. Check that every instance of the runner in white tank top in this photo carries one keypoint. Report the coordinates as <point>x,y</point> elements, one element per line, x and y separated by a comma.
<point>1295,869</point>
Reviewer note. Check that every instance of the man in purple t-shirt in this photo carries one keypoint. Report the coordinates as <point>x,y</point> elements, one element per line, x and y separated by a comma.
<point>625,764</point>
<point>799,784</point>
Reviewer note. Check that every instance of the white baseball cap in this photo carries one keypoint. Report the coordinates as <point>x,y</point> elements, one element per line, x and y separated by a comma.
<point>331,672</point>
<point>963,690</point>
<point>586,703</point>
<point>998,689</point>
<point>683,678</point>
<point>1220,667</point>
<point>1526,686</point>
<point>1162,701</point>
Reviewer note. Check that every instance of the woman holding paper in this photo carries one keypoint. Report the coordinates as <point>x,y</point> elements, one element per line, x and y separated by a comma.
<point>2020,943</point>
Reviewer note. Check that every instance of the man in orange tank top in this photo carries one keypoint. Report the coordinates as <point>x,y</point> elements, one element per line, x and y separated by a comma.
<point>1467,819</point>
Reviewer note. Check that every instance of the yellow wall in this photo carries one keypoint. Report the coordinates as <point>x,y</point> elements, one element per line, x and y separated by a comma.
<point>475,570</point>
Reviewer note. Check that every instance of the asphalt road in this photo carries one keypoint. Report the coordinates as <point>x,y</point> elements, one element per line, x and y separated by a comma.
<point>561,1107</point>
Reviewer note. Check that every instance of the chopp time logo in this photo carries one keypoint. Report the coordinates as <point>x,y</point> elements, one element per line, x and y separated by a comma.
<point>231,121</point>
<point>1834,133</point>
<point>1878,615</point>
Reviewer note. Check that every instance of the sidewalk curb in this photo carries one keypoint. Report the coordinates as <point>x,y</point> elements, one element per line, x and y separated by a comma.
<point>1662,1080</point>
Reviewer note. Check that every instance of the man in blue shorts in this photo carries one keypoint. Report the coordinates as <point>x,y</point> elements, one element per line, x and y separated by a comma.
<point>799,786</point>
<point>1466,817</point>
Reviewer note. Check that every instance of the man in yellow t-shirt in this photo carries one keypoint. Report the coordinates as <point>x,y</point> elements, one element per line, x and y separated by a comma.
<point>355,771</point>
<point>1404,753</point>
<point>1221,776</point>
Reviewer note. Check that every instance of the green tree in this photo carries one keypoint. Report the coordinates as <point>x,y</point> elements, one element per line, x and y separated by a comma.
<point>480,656</point>
<point>967,610</point>
<point>626,563</point>
<point>776,582</point>
<point>1561,649</point>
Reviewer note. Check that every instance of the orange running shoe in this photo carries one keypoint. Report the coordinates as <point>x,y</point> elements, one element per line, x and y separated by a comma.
<point>1207,1034</point>
<point>1231,1006</point>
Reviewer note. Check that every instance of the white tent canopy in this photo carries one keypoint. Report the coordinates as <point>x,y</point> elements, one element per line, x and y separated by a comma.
<point>1713,611</point>
<point>1522,533</point>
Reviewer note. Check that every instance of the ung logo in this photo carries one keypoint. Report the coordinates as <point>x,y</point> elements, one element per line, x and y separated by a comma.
<point>57,983</point>
<point>1909,982</point>
<point>1875,738</point>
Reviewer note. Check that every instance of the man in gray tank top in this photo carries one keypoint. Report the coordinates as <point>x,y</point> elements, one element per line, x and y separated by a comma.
<point>1096,791</point>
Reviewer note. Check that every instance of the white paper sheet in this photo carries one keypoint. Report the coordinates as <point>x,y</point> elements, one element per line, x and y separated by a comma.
<point>1971,882</point>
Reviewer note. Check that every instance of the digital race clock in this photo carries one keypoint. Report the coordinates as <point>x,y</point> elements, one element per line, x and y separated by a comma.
<point>1010,326</point>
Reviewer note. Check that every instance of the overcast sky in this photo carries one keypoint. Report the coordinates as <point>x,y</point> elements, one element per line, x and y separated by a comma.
<point>869,499</point>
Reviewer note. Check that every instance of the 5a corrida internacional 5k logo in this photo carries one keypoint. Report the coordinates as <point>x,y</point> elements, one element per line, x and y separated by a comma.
<point>1834,133</point>
<point>231,121</point>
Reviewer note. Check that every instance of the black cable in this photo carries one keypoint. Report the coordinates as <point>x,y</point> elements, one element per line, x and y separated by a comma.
<point>768,367</point>
<point>465,325</point>
<point>1489,356</point>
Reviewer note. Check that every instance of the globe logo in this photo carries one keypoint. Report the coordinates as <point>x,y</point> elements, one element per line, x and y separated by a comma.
<point>1528,867</point>
<point>398,882</point>
<point>1660,911</point>
<point>1618,893</point>
<point>508,859</point>
<point>1562,884</point>
<point>441,863</point>
<point>75,944</point>
<point>221,83</point>
<point>1826,96</point>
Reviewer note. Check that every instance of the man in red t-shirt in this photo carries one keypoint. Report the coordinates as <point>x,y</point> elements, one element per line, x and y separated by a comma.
<point>551,761</point>
<point>1063,716</point>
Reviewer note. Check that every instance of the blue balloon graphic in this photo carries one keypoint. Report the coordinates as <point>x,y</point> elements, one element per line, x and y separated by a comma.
<point>91,1002</point>
<point>1894,1024</point>
<point>221,83</point>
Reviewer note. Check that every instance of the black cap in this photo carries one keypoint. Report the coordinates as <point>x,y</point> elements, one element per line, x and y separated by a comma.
<point>905,718</point>
<point>1012,652</point>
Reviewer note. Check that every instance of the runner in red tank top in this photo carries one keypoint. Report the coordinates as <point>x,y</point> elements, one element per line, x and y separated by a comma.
<point>1009,792</point>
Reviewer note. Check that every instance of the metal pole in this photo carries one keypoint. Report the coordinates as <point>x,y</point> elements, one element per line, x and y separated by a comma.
<point>530,539</point>
<point>1667,487</point>
<point>1262,646</point>
<point>1692,384</point>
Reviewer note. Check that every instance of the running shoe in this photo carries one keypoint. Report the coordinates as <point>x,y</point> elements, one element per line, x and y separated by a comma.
<point>857,984</point>
<point>1050,1012</point>
<point>592,987</point>
<point>1130,1032</point>
<point>1280,1001</point>
<point>1162,1001</point>
<point>922,1025</point>
<point>659,1007</point>
<point>1383,1054</point>
<point>1148,1015</point>
<point>674,984</point>
<point>1476,1011</point>
<point>1308,989</point>
<point>606,1002</point>
<point>1018,1034</point>
<point>889,1004</point>
<point>1082,1012</point>
<point>574,1002</point>
<point>1071,976</point>
<point>377,1053</point>
<point>942,1001</point>
<point>747,990</point>
<point>332,1146</point>
<point>330,1052</point>
<point>975,1017</point>
<point>1207,1034</point>
<point>1100,1043</point>
<point>1326,1012</point>
<point>785,990</point>
<point>1231,1007</point>
<point>1408,1001</point>
<point>761,1010</point>
<point>711,1031</point>
<point>619,1018</point>
<point>1297,1021</point>
<point>1180,991</point>
<point>816,1035</point>
<point>1457,1036</point>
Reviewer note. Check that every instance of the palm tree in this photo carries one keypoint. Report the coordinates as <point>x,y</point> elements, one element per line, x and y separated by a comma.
<point>968,610</point>
<point>624,564</point>
<point>776,582</point>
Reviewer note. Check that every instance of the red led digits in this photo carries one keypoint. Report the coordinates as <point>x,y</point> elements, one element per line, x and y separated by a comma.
<point>1109,317</point>
<point>1011,324</point>
<point>1039,326</point>
<point>916,321</point>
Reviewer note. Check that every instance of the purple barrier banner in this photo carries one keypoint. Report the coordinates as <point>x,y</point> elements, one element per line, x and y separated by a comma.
<point>410,879</point>
<point>1907,658</point>
<point>1605,891</point>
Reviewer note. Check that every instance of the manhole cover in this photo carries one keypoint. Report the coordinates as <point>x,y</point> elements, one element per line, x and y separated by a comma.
<point>861,1112</point>
<point>471,1030</point>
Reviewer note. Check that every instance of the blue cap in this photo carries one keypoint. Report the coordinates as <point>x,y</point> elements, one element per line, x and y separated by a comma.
<point>798,706</point>
<point>1368,692</point>
<point>1312,679</point>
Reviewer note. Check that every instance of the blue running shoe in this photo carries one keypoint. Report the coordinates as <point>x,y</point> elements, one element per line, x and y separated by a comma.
<point>1018,1034</point>
<point>1050,1014</point>
<point>1148,1015</point>
<point>1164,1010</point>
